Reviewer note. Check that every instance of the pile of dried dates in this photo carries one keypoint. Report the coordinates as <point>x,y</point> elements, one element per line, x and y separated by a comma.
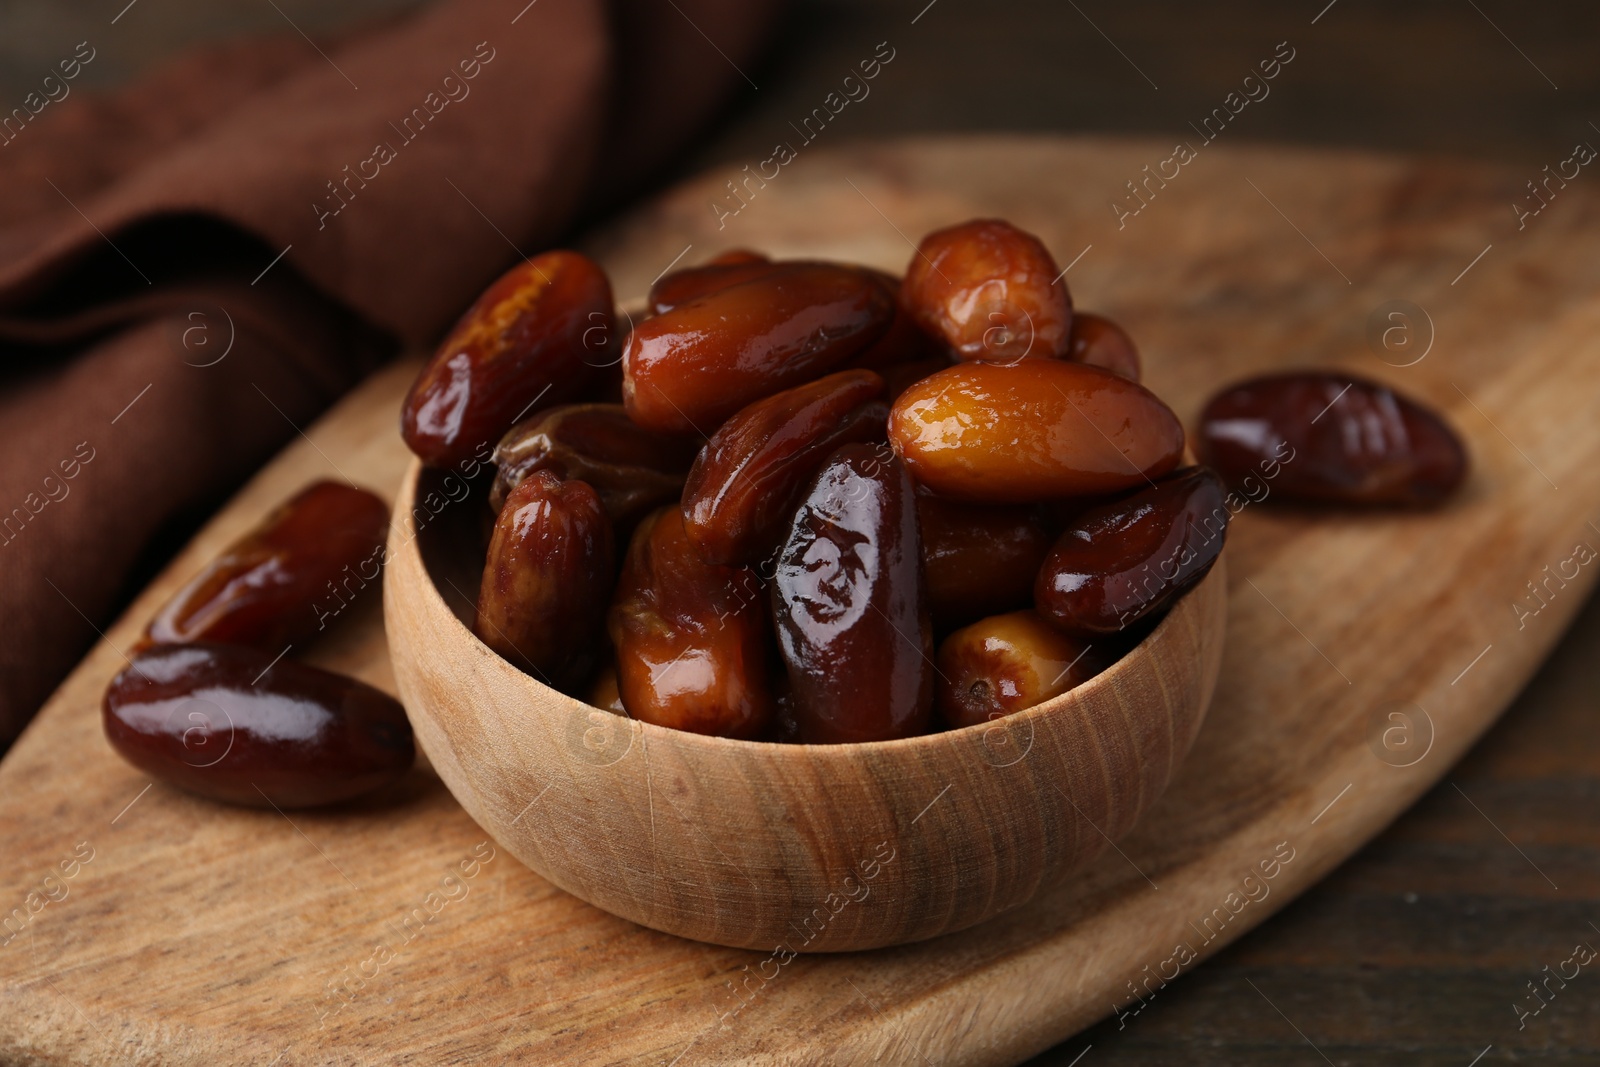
<point>793,501</point>
<point>809,501</point>
<point>211,702</point>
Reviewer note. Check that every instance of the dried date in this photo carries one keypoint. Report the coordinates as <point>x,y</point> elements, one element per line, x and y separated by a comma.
<point>851,611</point>
<point>741,491</point>
<point>547,579</point>
<point>1040,429</point>
<point>1099,342</point>
<point>266,589</point>
<point>1005,664</point>
<point>989,291</point>
<point>237,725</point>
<point>904,341</point>
<point>687,370</point>
<point>1123,561</point>
<point>535,338</point>
<point>690,284</point>
<point>691,637</point>
<point>1332,438</point>
<point>979,559</point>
<point>633,469</point>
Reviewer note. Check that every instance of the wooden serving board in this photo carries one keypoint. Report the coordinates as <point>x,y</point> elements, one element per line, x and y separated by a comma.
<point>392,932</point>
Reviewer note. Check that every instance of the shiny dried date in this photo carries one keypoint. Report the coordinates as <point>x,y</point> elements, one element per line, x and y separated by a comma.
<point>547,579</point>
<point>689,369</point>
<point>692,638</point>
<point>1040,429</point>
<point>1008,663</point>
<point>989,291</point>
<point>1123,561</point>
<point>742,489</point>
<point>979,559</point>
<point>1099,342</point>
<point>847,594</point>
<point>1329,437</point>
<point>690,284</point>
<point>535,338</point>
<point>237,725</point>
<point>633,469</point>
<point>280,583</point>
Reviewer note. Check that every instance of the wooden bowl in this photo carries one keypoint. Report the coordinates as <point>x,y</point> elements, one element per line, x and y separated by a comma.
<point>803,848</point>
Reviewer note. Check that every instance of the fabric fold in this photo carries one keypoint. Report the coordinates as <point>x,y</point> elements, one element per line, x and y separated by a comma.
<point>315,208</point>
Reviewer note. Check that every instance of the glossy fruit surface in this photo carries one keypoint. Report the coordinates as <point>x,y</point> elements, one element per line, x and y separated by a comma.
<point>1007,663</point>
<point>989,291</point>
<point>1326,436</point>
<point>232,724</point>
<point>547,579</point>
<point>979,559</point>
<point>288,578</point>
<point>633,469</point>
<point>1041,429</point>
<point>850,607</point>
<point>537,337</point>
<point>687,370</point>
<point>690,284</point>
<point>1123,561</point>
<point>1099,342</point>
<point>742,490</point>
<point>691,637</point>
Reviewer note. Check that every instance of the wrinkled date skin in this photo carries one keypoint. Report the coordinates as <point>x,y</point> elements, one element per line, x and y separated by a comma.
<point>1332,438</point>
<point>1099,342</point>
<point>228,723</point>
<point>687,370</point>
<point>850,607</point>
<point>536,337</point>
<point>1007,663</point>
<point>633,469</point>
<point>979,559</point>
<point>1122,561</point>
<point>742,490</point>
<point>989,291</point>
<point>278,584</point>
<point>691,637</point>
<point>547,579</point>
<point>1041,429</point>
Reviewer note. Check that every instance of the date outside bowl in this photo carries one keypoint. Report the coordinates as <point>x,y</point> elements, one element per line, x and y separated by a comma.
<point>819,848</point>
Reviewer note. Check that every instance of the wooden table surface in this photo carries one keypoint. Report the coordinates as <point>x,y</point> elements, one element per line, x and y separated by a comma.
<point>1419,951</point>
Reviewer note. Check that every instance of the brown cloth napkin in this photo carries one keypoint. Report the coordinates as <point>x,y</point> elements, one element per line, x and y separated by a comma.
<point>302,209</point>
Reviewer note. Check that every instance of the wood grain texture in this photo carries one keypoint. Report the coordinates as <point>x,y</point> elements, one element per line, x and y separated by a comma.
<point>1418,950</point>
<point>202,934</point>
<point>791,848</point>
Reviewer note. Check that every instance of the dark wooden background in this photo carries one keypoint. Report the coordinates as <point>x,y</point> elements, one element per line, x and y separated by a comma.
<point>1419,950</point>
